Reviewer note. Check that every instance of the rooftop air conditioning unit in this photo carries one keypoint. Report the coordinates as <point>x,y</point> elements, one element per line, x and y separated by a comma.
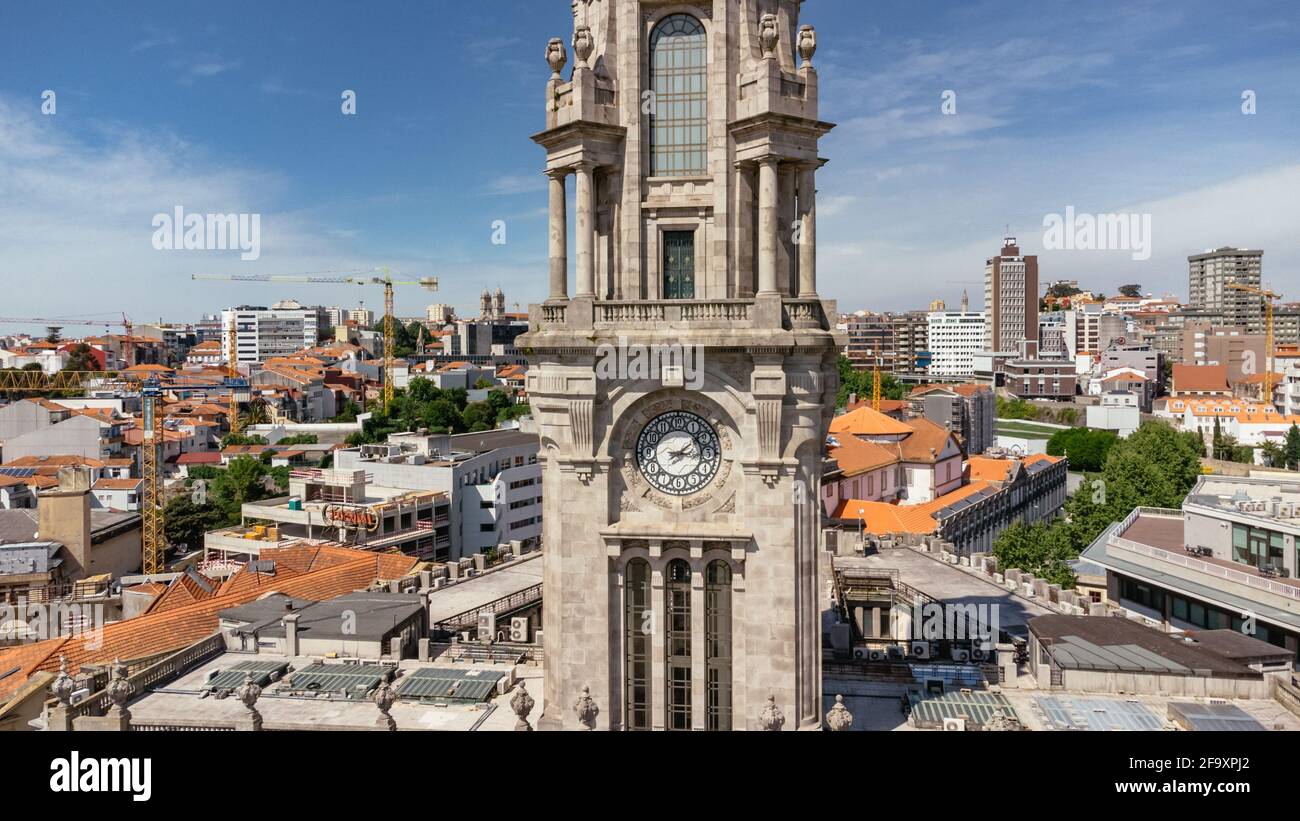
<point>921,650</point>
<point>954,725</point>
<point>980,654</point>
<point>862,653</point>
<point>895,651</point>
<point>876,655</point>
<point>961,656</point>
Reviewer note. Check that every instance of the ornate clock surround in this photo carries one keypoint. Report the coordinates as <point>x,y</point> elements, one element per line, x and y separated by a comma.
<point>639,495</point>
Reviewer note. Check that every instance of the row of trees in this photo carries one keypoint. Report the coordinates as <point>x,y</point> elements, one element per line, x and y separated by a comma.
<point>1155,467</point>
<point>1285,455</point>
<point>1086,448</point>
<point>425,405</point>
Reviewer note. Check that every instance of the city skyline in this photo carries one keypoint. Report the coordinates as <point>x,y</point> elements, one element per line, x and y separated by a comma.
<point>216,119</point>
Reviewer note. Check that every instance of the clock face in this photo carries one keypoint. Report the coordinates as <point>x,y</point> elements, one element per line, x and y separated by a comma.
<point>678,453</point>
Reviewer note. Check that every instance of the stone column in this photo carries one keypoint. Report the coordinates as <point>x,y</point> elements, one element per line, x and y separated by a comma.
<point>585,229</point>
<point>559,247</point>
<point>744,262</point>
<point>768,217</point>
<point>808,232</point>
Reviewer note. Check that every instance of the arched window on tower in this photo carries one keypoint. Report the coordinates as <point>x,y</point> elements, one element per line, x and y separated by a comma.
<point>717,641</point>
<point>679,115</point>
<point>677,646</point>
<point>640,624</point>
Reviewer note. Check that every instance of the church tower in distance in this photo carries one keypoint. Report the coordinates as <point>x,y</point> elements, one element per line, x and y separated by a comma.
<point>684,384</point>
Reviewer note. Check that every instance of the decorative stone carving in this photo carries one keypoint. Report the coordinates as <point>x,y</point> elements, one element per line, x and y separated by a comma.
<point>248,693</point>
<point>583,45</point>
<point>839,718</point>
<point>522,703</point>
<point>807,44</point>
<point>586,709</point>
<point>119,690</point>
<point>384,697</point>
<point>771,719</point>
<point>556,56</point>
<point>768,34</point>
<point>1000,722</point>
<point>63,685</point>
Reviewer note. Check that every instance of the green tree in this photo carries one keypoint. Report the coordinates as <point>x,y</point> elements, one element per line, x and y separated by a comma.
<point>239,439</point>
<point>1292,448</point>
<point>82,358</point>
<point>185,522</point>
<point>1274,454</point>
<point>1038,549</point>
<point>1087,449</point>
<point>298,439</point>
<point>1130,290</point>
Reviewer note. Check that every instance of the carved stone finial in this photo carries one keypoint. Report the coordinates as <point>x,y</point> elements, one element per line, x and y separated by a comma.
<point>556,56</point>
<point>586,709</point>
<point>384,698</point>
<point>583,45</point>
<point>249,692</point>
<point>63,685</point>
<point>522,703</point>
<point>768,34</point>
<point>772,718</point>
<point>807,44</point>
<point>839,718</point>
<point>119,689</point>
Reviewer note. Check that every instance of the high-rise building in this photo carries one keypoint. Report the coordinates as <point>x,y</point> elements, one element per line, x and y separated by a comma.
<point>263,333</point>
<point>954,339</point>
<point>1011,297</point>
<point>682,584</point>
<point>1209,275</point>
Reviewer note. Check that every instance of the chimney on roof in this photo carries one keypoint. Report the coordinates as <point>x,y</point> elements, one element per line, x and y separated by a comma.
<point>63,516</point>
<point>290,622</point>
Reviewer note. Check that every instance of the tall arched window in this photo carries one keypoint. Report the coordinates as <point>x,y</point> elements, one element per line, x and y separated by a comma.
<point>679,79</point>
<point>636,593</point>
<point>717,640</point>
<point>677,646</point>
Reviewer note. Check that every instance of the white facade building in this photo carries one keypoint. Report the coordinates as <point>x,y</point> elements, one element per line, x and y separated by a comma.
<point>955,338</point>
<point>262,333</point>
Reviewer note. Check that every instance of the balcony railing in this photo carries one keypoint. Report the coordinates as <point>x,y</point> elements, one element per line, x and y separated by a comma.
<point>706,313</point>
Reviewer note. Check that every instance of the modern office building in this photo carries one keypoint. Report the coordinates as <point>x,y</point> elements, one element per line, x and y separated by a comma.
<point>1226,560</point>
<point>263,333</point>
<point>954,339</point>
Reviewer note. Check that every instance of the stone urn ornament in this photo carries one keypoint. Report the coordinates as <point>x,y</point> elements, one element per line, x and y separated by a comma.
<point>586,709</point>
<point>522,704</point>
<point>807,44</point>
<point>248,693</point>
<point>839,718</point>
<point>768,34</point>
<point>772,718</point>
<point>384,697</point>
<point>120,689</point>
<point>583,45</point>
<point>556,57</point>
<point>63,685</point>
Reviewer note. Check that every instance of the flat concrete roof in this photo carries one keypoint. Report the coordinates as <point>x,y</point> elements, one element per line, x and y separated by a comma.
<point>950,585</point>
<point>181,702</point>
<point>1164,532</point>
<point>473,593</point>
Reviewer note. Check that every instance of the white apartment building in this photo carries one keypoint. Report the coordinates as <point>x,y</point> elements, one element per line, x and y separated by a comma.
<point>954,339</point>
<point>262,333</point>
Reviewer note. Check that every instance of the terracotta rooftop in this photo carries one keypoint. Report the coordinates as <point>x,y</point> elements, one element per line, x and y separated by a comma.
<point>331,571</point>
<point>866,422</point>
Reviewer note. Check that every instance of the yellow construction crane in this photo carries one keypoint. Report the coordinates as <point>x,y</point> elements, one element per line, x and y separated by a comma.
<point>1269,353</point>
<point>379,276</point>
<point>154,542</point>
<point>876,392</point>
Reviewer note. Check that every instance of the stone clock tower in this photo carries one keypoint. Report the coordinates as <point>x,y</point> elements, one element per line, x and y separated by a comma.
<point>684,384</point>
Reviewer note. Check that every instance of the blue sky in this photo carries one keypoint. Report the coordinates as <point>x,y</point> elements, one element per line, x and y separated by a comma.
<point>1109,107</point>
